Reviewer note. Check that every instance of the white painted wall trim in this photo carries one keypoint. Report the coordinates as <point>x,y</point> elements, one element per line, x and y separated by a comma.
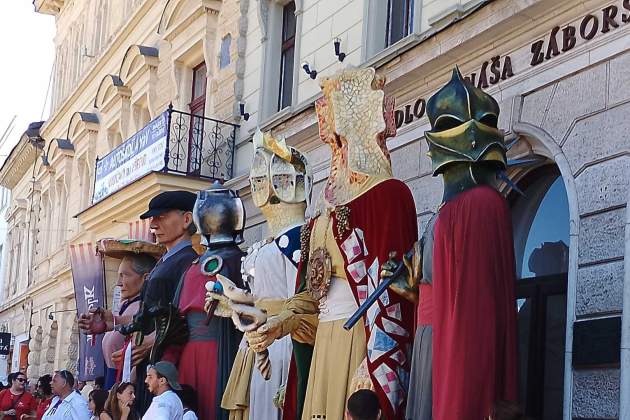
<point>521,128</point>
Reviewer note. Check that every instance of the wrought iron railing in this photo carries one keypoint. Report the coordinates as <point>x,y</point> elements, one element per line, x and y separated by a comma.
<point>199,146</point>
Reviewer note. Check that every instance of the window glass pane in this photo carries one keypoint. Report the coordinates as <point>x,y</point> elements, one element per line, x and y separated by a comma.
<point>288,21</point>
<point>224,59</point>
<point>199,81</point>
<point>547,247</point>
<point>286,81</point>
<point>399,20</point>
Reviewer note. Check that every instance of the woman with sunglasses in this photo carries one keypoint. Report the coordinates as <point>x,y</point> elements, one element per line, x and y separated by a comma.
<point>16,401</point>
<point>119,404</point>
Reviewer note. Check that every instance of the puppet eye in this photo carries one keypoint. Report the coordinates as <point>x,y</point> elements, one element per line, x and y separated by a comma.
<point>446,123</point>
<point>490,120</point>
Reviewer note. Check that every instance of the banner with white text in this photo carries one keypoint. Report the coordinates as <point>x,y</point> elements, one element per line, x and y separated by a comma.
<point>89,292</point>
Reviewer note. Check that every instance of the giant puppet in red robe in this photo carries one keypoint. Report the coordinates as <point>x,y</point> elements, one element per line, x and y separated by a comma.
<point>464,357</point>
<point>206,359</point>
<point>364,214</point>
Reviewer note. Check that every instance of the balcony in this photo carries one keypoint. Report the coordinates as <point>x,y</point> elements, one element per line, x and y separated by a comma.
<point>175,151</point>
<point>200,146</point>
<point>175,142</point>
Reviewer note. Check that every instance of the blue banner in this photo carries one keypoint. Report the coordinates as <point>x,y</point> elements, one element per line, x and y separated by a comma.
<point>141,154</point>
<point>89,292</point>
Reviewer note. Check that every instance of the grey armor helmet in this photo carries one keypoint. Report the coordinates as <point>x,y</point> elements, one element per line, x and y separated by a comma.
<point>279,172</point>
<point>219,215</point>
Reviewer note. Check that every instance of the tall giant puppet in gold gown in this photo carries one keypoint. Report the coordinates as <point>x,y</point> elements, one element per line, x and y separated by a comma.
<point>363,215</point>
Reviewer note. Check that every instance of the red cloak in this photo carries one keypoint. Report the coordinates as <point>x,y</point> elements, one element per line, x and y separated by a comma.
<point>474,318</point>
<point>382,220</point>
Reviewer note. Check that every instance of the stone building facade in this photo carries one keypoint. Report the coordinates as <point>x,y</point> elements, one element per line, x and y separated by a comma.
<point>559,70</point>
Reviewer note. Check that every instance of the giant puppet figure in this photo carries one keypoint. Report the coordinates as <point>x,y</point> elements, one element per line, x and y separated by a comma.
<point>281,183</point>
<point>364,214</point>
<point>465,266</point>
<point>206,358</point>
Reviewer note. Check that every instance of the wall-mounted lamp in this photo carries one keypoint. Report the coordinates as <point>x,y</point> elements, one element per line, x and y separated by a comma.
<point>51,316</point>
<point>245,115</point>
<point>340,55</point>
<point>307,69</point>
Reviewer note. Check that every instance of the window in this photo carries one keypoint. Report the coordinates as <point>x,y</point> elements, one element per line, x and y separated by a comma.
<point>387,22</point>
<point>198,97</point>
<point>399,20</point>
<point>541,244</point>
<point>224,58</point>
<point>287,52</point>
<point>197,110</point>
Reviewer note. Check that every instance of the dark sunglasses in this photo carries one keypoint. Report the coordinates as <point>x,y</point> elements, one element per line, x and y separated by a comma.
<point>22,380</point>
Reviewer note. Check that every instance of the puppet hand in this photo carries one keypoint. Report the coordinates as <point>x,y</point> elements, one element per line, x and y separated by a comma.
<point>220,303</point>
<point>404,282</point>
<point>139,353</point>
<point>266,334</point>
<point>96,321</point>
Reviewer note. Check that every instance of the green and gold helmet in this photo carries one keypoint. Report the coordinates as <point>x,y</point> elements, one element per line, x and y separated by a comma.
<point>463,126</point>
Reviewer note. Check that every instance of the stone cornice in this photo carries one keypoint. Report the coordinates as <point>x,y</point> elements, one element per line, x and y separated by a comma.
<point>48,7</point>
<point>23,155</point>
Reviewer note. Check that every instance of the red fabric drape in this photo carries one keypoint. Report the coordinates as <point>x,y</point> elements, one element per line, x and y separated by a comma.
<point>386,216</point>
<point>474,318</point>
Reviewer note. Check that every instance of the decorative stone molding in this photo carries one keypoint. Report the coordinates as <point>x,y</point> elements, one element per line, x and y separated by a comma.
<point>48,7</point>
<point>18,162</point>
<point>177,14</point>
<point>263,18</point>
<point>81,123</point>
<point>110,89</point>
<point>241,48</point>
<point>137,59</point>
<point>73,348</point>
<point>49,346</point>
<point>34,347</point>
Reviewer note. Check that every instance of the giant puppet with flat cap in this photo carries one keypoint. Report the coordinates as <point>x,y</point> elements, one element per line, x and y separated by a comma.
<point>171,221</point>
<point>364,213</point>
<point>205,360</point>
<point>464,359</point>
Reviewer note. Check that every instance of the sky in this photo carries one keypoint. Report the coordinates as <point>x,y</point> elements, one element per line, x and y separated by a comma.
<point>27,52</point>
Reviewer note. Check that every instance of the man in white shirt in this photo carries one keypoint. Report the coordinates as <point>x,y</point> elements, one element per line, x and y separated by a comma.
<point>161,381</point>
<point>67,404</point>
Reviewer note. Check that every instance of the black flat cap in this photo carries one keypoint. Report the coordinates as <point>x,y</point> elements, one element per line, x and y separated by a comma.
<point>170,200</point>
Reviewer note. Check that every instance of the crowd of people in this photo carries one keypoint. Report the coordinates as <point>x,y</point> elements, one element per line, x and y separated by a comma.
<point>61,397</point>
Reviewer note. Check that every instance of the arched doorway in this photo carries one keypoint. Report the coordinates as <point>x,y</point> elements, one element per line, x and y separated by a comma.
<point>541,242</point>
